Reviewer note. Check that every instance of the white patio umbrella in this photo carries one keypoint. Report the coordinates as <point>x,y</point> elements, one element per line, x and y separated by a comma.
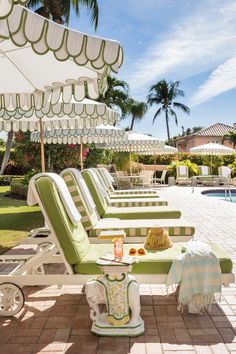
<point>212,149</point>
<point>100,134</point>
<point>84,115</point>
<point>135,142</point>
<point>165,150</point>
<point>44,65</point>
<point>43,62</point>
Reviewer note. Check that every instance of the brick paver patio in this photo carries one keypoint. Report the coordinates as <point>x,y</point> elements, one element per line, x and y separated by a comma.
<point>57,320</point>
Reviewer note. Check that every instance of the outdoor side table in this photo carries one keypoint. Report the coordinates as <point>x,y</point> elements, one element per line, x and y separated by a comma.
<point>119,291</point>
<point>171,181</point>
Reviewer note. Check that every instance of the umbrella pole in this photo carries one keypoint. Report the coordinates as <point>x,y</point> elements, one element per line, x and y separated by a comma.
<point>81,155</point>
<point>130,162</point>
<point>42,146</point>
<point>211,163</point>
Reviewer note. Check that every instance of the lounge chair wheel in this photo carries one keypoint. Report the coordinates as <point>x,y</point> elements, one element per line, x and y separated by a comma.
<point>11,299</point>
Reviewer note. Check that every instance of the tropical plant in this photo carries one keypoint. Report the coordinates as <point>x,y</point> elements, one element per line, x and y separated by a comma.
<point>233,168</point>
<point>137,110</point>
<point>193,170</point>
<point>164,93</point>
<point>231,136</point>
<point>117,95</point>
<point>59,10</point>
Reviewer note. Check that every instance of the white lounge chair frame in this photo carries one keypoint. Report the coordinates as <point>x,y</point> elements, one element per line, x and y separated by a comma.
<point>28,271</point>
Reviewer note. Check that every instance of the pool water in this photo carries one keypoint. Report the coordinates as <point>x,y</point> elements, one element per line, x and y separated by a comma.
<point>220,194</point>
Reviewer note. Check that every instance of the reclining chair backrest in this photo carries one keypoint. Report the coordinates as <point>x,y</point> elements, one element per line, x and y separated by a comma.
<point>224,171</point>
<point>92,182</point>
<point>101,180</point>
<point>182,172</point>
<point>204,170</point>
<point>72,238</point>
<point>78,191</point>
<point>104,179</point>
<point>107,178</point>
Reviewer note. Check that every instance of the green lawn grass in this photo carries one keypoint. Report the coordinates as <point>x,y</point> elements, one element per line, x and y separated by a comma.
<point>16,220</point>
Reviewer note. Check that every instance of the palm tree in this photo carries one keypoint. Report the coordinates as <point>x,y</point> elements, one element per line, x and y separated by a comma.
<point>231,136</point>
<point>137,110</point>
<point>163,93</point>
<point>59,10</point>
<point>117,95</point>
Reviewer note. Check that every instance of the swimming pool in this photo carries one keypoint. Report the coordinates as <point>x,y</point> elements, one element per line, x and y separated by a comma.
<point>220,194</point>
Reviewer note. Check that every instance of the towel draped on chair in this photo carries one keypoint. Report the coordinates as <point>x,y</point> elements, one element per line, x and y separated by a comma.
<point>198,273</point>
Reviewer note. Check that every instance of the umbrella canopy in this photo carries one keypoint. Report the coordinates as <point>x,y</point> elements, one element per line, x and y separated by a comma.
<point>84,114</point>
<point>165,150</point>
<point>6,6</point>
<point>135,142</point>
<point>43,62</point>
<point>212,149</point>
<point>99,134</point>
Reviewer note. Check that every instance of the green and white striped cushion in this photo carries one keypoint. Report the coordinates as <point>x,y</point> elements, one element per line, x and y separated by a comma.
<point>138,191</point>
<point>138,203</point>
<point>142,232</point>
<point>88,220</point>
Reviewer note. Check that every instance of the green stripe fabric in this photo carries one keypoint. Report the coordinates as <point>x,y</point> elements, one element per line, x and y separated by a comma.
<point>73,239</point>
<point>99,201</point>
<point>158,212</point>
<point>142,232</point>
<point>88,220</point>
<point>131,191</point>
<point>137,203</point>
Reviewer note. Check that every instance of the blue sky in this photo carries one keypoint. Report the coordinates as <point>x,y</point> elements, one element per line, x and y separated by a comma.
<point>187,40</point>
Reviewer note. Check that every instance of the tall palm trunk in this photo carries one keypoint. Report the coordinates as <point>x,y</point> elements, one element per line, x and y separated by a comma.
<point>132,123</point>
<point>7,152</point>
<point>167,125</point>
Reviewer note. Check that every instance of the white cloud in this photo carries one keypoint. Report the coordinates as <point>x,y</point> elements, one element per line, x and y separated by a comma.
<point>221,80</point>
<point>200,42</point>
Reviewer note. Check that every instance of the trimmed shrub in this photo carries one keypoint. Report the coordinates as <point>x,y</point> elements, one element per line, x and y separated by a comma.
<point>19,188</point>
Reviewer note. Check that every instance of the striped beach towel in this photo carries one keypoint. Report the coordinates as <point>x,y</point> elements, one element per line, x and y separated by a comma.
<point>197,271</point>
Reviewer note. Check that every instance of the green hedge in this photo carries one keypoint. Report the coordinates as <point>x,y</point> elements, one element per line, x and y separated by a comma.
<point>5,180</point>
<point>19,188</point>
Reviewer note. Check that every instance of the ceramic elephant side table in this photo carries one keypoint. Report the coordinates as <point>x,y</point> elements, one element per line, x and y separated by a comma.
<point>119,291</point>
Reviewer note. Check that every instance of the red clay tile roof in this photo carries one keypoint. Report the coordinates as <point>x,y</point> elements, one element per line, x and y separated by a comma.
<point>217,129</point>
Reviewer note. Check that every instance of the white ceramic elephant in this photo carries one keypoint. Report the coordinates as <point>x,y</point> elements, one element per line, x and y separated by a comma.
<point>96,294</point>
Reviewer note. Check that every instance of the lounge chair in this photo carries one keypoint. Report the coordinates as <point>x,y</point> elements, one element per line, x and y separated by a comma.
<point>72,248</point>
<point>123,201</point>
<point>204,176</point>
<point>225,173</point>
<point>136,230</point>
<point>147,212</point>
<point>128,193</point>
<point>182,175</point>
